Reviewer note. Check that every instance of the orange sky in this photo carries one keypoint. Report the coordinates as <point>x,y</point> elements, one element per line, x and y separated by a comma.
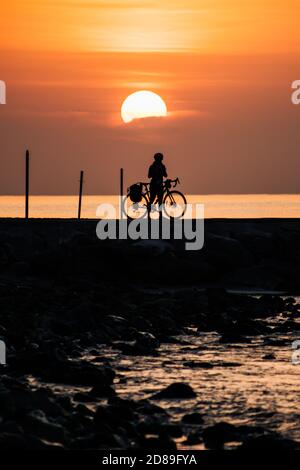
<point>222,26</point>
<point>224,68</point>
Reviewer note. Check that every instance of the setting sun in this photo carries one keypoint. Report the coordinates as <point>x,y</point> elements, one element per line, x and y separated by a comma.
<point>143,104</point>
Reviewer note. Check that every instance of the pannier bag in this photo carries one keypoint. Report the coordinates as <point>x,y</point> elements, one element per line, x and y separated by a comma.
<point>135,192</point>
<point>168,184</point>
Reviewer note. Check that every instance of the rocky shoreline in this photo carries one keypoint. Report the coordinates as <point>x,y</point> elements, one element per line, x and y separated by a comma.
<point>257,254</point>
<point>63,292</point>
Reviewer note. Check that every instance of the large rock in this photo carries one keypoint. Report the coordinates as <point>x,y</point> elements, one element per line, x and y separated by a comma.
<point>102,390</point>
<point>215,436</point>
<point>175,391</point>
<point>37,421</point>
<point>192,418</point>
<point>225,252</point>
<point>144,344</point>
<point>23,400</point>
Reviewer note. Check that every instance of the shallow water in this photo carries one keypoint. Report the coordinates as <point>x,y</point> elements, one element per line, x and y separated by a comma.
<point>253,391</point>
<point>236,384</point>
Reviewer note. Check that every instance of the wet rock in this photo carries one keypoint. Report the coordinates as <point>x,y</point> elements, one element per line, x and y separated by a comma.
<point>145,407</point>
<point>84,397</point>
<point>171,430</point>
<point>37,421</point>
<point>84,410</point>
<point>276,342</point>
<point>78,423</point>
<point>131,348</point>
<point>215,436</point>
<point>233,337</point>
<point>269,357</point>
<point>65,402</point>
<point>147,339</point>
<point>113,415</point>
<point>192,418</point>
<point>198,365</point>
<point>193,439</point>
<point>119,325</point>
<point>269,443</point>
<point>210,365</point>
<point>144,344</point>
<point>270,304</point>
<point>79,374</point>
<point>102,391</point>
<point>23,400</point>
<point>175,391</point>
<point>228,364</point>
<point>150,425</point>
<point>118,401</point>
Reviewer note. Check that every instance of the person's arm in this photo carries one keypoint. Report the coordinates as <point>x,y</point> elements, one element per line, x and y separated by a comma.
<point>150,172</point>
<point>165,172</point>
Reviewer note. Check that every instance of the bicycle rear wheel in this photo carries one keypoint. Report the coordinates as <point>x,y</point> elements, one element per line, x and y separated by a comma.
<point>174,204</point>
<point>135,210</point>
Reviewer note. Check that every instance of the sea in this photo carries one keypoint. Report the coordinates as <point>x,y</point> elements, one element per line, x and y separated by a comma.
<point>215,206</point>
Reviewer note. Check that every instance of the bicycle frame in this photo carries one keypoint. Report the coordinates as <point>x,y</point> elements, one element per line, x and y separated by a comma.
<point>167,185</point>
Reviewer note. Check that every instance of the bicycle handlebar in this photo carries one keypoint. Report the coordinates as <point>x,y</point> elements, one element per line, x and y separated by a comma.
<point>175,182</point>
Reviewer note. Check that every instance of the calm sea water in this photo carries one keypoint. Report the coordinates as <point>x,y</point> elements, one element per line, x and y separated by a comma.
<point>215,206</point>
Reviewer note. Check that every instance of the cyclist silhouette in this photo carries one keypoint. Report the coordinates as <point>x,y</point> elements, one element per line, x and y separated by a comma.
<point>157,172</point>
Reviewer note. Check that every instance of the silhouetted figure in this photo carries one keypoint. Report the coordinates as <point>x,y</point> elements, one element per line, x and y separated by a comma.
<point>157,172</point>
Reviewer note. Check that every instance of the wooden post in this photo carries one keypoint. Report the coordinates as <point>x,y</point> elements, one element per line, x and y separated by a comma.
<point>27,184</point>
<point>122,192</point>
<point>121,182</point>
<point>80,194</point>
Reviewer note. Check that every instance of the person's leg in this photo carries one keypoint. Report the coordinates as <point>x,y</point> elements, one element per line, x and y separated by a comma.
<point>153,192</point>
<point>160,193</point>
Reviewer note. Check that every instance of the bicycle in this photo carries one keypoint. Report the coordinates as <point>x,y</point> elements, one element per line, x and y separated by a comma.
<point>173,202</point>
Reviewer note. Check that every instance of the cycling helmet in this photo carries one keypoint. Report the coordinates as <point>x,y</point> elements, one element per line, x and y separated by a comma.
<point>158,157</point>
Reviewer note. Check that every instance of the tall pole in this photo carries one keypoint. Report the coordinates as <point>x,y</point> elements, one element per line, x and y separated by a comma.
<point>122,191</point>
<point>27,184</point>
<point>80,194</point>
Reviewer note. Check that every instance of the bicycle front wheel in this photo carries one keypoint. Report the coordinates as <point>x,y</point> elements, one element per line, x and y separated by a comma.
<point>174,204</point>
<point>135,210</point>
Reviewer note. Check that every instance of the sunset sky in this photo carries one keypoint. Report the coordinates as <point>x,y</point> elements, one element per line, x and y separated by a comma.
<point>223,67</point>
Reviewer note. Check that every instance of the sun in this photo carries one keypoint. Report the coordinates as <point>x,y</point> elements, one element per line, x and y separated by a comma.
<point>143,104</point>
